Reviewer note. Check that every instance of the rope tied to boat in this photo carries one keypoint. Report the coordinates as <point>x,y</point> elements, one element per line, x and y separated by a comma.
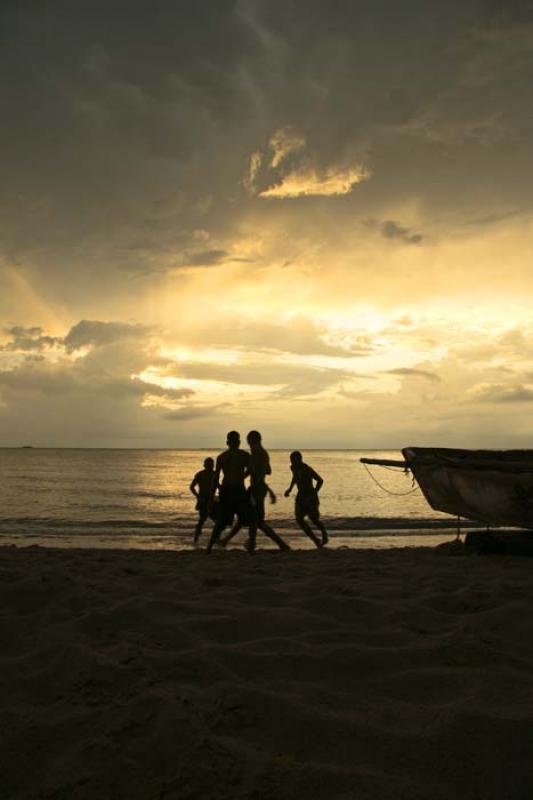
<point>389,491</point>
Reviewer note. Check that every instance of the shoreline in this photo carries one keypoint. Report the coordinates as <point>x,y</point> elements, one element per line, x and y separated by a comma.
<point>399,673</point>
<point>339,540</point>
<point>356,533</point>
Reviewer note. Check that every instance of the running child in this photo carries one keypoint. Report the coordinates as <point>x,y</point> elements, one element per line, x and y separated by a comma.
<point>307,502</point>
<point>259,467</point>
<point>202,488</point>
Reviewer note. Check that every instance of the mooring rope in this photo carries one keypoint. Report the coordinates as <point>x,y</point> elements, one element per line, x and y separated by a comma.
<point>389,491</point>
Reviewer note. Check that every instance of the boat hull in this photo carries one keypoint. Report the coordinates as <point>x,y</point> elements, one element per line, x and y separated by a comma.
<point>487,486</point>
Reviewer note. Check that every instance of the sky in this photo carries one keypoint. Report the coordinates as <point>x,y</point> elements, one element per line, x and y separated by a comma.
<point>314,219</point>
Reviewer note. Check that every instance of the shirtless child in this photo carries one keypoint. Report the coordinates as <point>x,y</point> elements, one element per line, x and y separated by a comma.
<point>307,502</point>
<point>202,488</point>
<point>259,468</point>
<point>234,465</point>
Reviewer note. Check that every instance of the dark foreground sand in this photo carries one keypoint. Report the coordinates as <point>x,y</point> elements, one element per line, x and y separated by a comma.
<point>349,674</point>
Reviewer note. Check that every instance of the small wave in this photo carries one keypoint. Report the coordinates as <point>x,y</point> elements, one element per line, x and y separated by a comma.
<point>152,495</point>
<point>116,526</point>
<point>395,523</point>
<point>102,524</point>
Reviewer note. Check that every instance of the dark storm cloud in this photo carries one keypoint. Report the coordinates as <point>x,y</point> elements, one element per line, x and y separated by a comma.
<point>211,258</point>
<point>392,230</point>
<point>126,121</point>
<point>205,258</point>
<point>28,339</point>
<point>127,145</point>
<point>104,117</point>
<point>93,332</point>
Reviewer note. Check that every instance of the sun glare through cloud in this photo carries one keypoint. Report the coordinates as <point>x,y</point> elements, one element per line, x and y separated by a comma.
<point>266,233</point>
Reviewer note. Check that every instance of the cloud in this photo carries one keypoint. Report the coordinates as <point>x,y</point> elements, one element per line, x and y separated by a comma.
<point>495,217</point>
<point>136,387</point>
<point>516,341</point>
<point>501,393</point>
<point>406,372</point>
<point>117,352</point>
<point>124,148</point>
<point>68,378</point>
<point>193,412</point>
<point>299,335</point>
<point>29,339</point>
<point>283,143</point>
<point>307,181</point>
<point>280,379</point>
<point>96,333</point>
<point>286,169</point>
<point>41,378</point>
<point>390,229</point>
<point>205,258</point>
<point>405,321</point>
<point>152,137</point>
<point>252,173</point>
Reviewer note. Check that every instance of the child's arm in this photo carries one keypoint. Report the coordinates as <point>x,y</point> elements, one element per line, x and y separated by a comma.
<point>214,485</point>
<point>194,484</point>
<point>291,487</point>
<point>248,469</point>
<point>318,479</point>
<point>271,494</point>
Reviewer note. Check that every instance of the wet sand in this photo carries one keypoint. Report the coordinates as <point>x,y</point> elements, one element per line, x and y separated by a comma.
<point>134,675</point>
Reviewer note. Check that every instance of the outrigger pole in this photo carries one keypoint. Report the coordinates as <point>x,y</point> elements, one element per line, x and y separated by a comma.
<point>385,462</point>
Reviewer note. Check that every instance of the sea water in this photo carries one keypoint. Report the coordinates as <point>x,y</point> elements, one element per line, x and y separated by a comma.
<point>141,499</point>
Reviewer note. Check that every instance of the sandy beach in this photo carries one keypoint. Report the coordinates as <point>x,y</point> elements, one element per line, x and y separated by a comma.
<point>340,674</point>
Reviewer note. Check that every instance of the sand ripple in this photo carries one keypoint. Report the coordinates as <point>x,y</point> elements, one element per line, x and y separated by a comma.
<point>335,675</point>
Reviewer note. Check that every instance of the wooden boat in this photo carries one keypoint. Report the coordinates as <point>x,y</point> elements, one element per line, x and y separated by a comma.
<point>493,487</point>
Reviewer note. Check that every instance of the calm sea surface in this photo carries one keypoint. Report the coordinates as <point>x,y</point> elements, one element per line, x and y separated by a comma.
<point>141,498</point>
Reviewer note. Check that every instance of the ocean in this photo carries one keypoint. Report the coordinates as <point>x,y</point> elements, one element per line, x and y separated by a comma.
<point>141,499</point>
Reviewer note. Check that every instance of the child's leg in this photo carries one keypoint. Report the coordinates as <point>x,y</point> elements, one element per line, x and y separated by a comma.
<point>271,533</point>
<point>233,532</point>
<point>250,544</point>
<point>215,535</point>
<point>202,516</point>
<point>306,529</point>
<point>315,519</point>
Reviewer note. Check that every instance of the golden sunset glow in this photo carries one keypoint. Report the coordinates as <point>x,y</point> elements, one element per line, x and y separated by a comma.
<point>311,244</point>
<point>308,182</point>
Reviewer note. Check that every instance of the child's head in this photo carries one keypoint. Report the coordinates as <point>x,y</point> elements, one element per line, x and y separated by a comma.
<point>296,458</point>
<point>254,439</point>
<point>233,439</point>
<point>209,464</point>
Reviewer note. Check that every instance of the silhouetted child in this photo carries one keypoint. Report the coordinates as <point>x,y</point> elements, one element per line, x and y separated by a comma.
<point>202,488</point>
<point>233,465</point>
<point>258,469</point>
<point>307,503</point>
